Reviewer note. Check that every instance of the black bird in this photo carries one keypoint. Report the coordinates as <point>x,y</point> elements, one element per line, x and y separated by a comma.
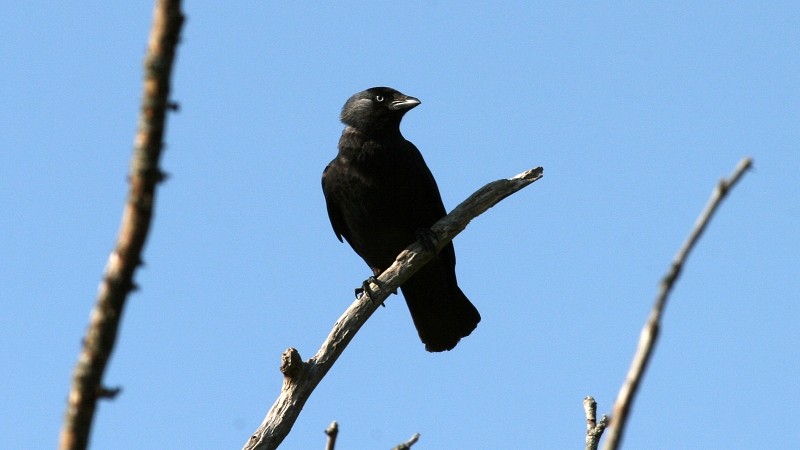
<point>381,197</point>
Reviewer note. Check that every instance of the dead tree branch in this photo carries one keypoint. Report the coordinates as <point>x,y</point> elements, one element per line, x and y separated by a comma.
<point>649,334</point>
<point>407,444</point>
<point>117,281</point>
<point>300,378</point>
<point>594,429</point>
<point>332,431</point>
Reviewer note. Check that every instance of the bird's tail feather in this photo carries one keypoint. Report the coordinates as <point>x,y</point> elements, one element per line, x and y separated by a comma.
<point>441,312</point>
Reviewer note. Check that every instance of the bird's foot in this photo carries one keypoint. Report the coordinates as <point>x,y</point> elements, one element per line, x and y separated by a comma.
<point>427,238</point>
<point>366,290</point>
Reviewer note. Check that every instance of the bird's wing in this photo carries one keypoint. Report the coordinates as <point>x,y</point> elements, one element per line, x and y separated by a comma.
<point>334,213</point>
<point>427,191</point>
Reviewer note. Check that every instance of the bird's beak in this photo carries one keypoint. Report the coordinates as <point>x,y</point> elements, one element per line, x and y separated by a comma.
<point>404,103</point>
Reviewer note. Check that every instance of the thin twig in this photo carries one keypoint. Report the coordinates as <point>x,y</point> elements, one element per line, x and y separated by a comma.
<point>300,378</point>
<point>332,431</point>
<point>649,334</point>
<point>407,444</point>
<point>118,277</point>
<point>594,429</point>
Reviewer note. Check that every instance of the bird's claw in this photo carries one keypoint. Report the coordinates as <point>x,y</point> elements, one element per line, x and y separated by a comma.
<point>427,238</point>
<point>366,290</point>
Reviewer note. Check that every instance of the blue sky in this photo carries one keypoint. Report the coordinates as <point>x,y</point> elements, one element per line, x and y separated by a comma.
<point>634,109</point>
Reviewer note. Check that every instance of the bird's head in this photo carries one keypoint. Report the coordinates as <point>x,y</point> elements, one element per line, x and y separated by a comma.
<point>377,109</point>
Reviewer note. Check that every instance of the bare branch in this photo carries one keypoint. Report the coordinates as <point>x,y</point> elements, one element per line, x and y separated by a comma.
<point>117,281</point>
<point>407,444</point>
<point>649,334</point>
<point>297,387</point>
<point>593,429</point>
<point>332,431</point>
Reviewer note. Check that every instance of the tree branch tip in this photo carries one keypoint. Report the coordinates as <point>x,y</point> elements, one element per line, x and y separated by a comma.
<point>174,106</point>
<point>746,163</point>
<point>333,428</point>
<point>531,174</point>
<point>590,409</point>
<point>407,444</point>
<point>291,363</point>
<point>332,431</point>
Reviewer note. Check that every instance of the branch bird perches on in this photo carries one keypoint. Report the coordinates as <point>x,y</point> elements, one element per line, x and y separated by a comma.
<point>300,378</point>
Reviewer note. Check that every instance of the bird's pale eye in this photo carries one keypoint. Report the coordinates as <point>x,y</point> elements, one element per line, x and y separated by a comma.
<point>379,98</point>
